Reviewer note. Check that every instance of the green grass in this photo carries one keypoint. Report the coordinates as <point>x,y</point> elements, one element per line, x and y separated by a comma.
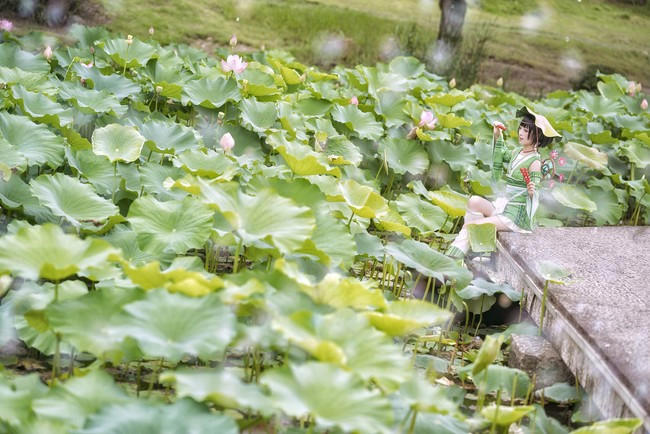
<point>598,32</point>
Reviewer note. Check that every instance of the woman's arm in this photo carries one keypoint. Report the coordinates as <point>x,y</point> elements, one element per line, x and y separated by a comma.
<point>498,158</point>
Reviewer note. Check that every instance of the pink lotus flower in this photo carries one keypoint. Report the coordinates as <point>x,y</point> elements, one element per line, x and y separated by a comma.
<point>551,184</point>
<point>554,154</point>
<point>233,41</point>
<point>427,120</point>
<point>644,104</point>
<point>561,161</point>
<point>6,25</point>
<point>234,63</point>
<point>452,83</point>
<point>354,100</point>
<point>631,88</point>
<point>47,52</point>
<point>151,31</point>
<point>560,177</point>
<point>227,142</point>
<point>87,65</point>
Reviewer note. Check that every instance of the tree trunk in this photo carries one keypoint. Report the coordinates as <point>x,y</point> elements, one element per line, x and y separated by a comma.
<point>450,35</point>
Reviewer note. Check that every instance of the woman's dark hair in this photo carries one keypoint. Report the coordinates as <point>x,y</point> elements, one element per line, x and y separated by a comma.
<point>534,132</point>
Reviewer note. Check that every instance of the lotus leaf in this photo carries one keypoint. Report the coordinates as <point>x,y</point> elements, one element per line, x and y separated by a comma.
<point>118,143</point>
<point>137,417</point>
<point>505,415</point>
<point>334,397</point>
<point>46,252</point>
<point>405,316</point>
<point>173,325</point>
<point>175,226</point>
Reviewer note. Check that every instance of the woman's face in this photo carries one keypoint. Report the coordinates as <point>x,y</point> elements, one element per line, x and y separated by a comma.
<point>524,140</point>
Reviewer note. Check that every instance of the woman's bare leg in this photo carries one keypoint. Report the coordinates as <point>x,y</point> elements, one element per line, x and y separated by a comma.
<point>482,205</point>
<point>460,246</point>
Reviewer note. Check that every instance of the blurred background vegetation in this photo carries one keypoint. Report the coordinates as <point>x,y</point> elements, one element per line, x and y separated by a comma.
<point>535,46</point>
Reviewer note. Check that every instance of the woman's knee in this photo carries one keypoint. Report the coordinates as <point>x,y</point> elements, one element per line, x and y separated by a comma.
<point>475,203</point>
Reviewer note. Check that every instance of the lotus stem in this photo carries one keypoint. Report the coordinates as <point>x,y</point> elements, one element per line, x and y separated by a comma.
<point>632,169</point>
<point>114,176</point>
<point>521,303</point>
<point>415,284</point>
<point>383,275</point>
<point>154,378</point>
<point>396,278</point>
<point>568,180</point>
<point>637,209</point>
<point>480,316</point>
<point>235,264</point>
<point>138,374</point>
<point>514,390</point>
<point>412,426</point>
<point>496,412</point>
<point>543,310</point>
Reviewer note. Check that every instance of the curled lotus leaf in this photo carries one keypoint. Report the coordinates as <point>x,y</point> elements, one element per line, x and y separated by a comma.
<point>405,316</point>
<point>587,155</point>
<point>192,283</point>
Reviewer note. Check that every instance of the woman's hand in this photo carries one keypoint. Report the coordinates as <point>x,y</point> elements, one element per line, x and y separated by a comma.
<point>497,127</point>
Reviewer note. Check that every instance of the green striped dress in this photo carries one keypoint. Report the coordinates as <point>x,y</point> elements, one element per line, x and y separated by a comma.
<point>519,206</point>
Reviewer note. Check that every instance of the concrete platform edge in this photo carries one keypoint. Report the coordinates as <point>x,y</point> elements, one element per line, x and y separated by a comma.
<point>609,393</point>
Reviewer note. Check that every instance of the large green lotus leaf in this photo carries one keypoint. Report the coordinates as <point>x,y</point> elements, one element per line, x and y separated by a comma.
<point>480,287</point>
<point>92,101</point>
<point>406,316</point>
<point>429,262</point>
<point>97,170</point>
<point>610,90</point>
<point>459,158</point>
<point>589,156</point>
<point>176,225</point>
<point>135,54</point>
<point>126,239</point>
<point>12,159</point>
<point>448,99</point>
<point>423,216</point>
<point>546,424</point>
<point>46,252</point>
<point>406,66</point>
<point>404,155</point>
<point>482,237</point>
<point>451,202</point>
<point>115,84</point>
<point>613,426</point>
<point>118,143</point>
<point>153,176</point>
<point>362,124</point>
<point>301,159</point>
<point>30,80</point>
<point>348,340</point>
<point>313,106</point>
<point>598,105</point>
<point>79,397</point>
<point>434,423</point>
<point>187,282</point>
<point>16,395</point>
<point>260,116</point>
<point>450,120</point>
<point>222,387</point>
<point>209,164</point>
<point>425,397</point>
<point>573,197</point>
<point>169,137</point>
<point>271,218</point>
<point>363,200</point>
<point>78,203</point>
<point>487,354</point>
<point>210,93</point>
<point>34,142</point>
<point>340,150</point>
<point>610,210</point>
<point>334,238</point>
<point>636,153</point>
<point>334,397</point>
<point>139,417</point>
<point>496,377</point>
<point>84,322</point>
<point>391,105</point>
<point>15,194</point>
<point>560,393</point>
<point>41,108</point>
<point>173,325</point>
<point>13,57</point>
<point>505,415</point>
<point>341,292</point>
<point>392,221</point>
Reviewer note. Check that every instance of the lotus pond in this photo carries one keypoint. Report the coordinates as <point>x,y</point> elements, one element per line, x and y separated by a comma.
<point>164,280</point>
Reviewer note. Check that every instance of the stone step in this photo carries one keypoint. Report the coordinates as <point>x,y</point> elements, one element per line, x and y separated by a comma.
<point>599,321</point>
